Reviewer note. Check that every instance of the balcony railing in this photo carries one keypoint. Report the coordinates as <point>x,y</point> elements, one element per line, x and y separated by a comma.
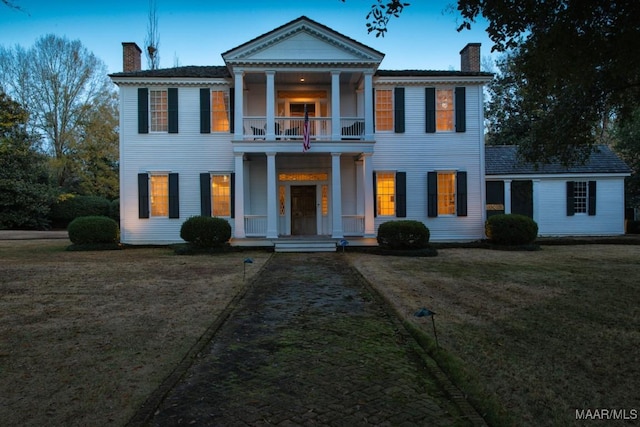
<point>292,128</point>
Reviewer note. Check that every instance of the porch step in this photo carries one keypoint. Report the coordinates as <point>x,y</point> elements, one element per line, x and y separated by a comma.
<point>305,246</point>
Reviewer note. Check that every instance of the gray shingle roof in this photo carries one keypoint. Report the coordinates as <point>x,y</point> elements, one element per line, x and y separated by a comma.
<point>503,160</point>
<point>195,71</point>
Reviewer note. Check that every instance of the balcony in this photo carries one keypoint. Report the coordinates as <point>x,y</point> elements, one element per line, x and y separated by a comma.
<point>292,128</point>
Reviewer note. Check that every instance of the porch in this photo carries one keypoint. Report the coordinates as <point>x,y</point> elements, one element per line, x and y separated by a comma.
<point>304,243</point>
<point>292,128</point>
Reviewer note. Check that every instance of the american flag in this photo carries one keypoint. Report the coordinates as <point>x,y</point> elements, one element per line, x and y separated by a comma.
<point>306,142</point>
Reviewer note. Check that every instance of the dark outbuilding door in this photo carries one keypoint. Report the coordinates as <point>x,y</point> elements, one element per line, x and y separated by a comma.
<point>495,197</point>
<point>522,198</point>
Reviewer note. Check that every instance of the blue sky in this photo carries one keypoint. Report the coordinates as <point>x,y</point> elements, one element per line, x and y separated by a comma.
<point>196,32</point>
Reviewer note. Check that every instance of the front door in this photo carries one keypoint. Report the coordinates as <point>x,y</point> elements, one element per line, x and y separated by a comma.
<point>303,210</point>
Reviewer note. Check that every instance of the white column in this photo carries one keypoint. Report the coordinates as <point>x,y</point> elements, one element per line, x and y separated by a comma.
<point>536,200</point>
<point>272,197</point>
<point>367,179</point>
<point>271,102</point>
<point>239,231</point>
<point>335,106</point>
<point>507,196</point>
<point>238,99</point>
<point>368,105</point>
<point>336,197</point>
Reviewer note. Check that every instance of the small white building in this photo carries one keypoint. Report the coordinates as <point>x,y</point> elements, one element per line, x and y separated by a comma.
<point>301,134</point>
<point>580,200</point>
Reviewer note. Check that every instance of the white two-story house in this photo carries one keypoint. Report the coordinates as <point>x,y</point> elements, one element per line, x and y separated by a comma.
<point>301,133</point>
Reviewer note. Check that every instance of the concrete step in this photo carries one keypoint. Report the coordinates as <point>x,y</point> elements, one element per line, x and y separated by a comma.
<point>305,246</point>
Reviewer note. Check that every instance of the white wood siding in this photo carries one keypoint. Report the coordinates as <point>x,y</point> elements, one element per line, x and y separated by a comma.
<point>417,152</point>
<point>552,209</point>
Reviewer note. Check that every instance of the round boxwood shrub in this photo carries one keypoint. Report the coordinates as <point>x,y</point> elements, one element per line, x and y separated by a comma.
<point>69,207</point>
<point>206,231</point>
<point>93,229</point>
<point>511,229</point>
<point>403,235</point>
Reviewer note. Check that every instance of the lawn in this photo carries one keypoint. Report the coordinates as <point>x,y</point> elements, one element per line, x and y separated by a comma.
<point>541,333</point>
<point>86,337</point>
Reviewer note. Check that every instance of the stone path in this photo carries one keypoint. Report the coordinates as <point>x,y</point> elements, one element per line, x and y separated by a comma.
<point>309,344</point>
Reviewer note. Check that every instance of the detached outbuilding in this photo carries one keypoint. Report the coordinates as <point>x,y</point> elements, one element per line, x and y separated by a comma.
<point>581,200</point>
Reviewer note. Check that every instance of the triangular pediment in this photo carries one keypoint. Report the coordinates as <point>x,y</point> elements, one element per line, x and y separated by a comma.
<point>303,41</point>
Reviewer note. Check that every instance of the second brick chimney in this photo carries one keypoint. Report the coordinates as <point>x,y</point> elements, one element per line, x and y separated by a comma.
<point>131,57</point>
<point>470,57</point>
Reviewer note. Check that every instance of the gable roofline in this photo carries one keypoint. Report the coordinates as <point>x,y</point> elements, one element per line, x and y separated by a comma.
<point>236,55</point>
<point>503,160</point>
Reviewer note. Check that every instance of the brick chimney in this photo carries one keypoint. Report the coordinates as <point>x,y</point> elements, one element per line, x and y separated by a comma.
<point>470,57</point>
<point>131,57</point>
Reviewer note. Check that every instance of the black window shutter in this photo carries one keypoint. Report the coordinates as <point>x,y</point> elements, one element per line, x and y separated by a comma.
<point>174,196</point>
<point>430,109</point>
<point>592,197</point>
<point>570,199</point>
<point>143,195</point>
<point>398,110</point>
<point>461,193</point>
<point>205,110</point>
<point>432,194</point>
<point>143,110</point>
<point>172,103</point>
<point>461,120</point>
<point>373,115</point>
<point>375,196</point>
<point>401,194</point>
<point>233,194</point>
<point>232,109</point>
<point>205,194</point>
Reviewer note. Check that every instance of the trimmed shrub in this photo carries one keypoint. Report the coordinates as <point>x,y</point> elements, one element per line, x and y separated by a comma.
<point>511,229</point>
<point>93,229</point>
<point>403,235</point>
<point>114,210</point>
<point>206,231</point>
<point>69,207</point>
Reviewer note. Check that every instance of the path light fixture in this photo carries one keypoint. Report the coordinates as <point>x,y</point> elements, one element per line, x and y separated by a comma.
<point>425,312</point>
<point>343,243</point>
<point>244,266</point>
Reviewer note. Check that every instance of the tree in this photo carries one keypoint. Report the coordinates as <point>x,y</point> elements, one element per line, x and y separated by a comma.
<point>576,64</point>
<point>152,40</point>
<point>58,81</point>
<point>25,192</point>
<point>627,144</point>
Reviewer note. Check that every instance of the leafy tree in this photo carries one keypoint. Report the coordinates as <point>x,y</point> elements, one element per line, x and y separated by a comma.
<point>60,82</point>
<point>576,66</point>
<point>627,145</point>
<point>25,193</point>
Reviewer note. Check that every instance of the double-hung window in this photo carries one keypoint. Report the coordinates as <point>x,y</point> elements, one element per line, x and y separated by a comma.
<point>384,110</point>
<point>385,193</point>
<point>580,191</point>
<point>221,195</point>
<point>446,193</point>
<point>159,195</point>
<point>219,111</point>
<point>581,197</point>
<point>444,110</point>
<point>158,110</point>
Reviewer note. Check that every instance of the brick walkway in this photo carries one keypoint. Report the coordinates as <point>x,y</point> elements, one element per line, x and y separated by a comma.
<point>309,344</point>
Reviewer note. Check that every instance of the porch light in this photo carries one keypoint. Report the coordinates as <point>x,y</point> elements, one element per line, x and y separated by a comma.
<point>301,79</point>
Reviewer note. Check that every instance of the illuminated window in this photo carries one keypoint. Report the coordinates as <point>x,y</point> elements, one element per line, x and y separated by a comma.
<point>446,193</point>
<point>444,110</point>
<point>282,199</point>
<point>580,196</point>
<point>219,111</point>
<point>159,195</point>
<point>325,200</point>
<point>303,176</point>
<point>384,109</point>
<point>386,193</point>
<point>158,109</point>
<point>221,195</point>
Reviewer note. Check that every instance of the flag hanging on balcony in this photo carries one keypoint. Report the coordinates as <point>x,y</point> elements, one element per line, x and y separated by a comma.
<point>306,141</point>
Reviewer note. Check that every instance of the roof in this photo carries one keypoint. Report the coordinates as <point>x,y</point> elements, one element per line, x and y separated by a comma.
<point>192,71</point>
<point>429,73</point>
<point>503,160</point>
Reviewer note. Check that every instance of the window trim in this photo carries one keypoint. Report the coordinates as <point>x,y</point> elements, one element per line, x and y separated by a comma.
<point>228,175</point>
<point>390,112</point>
<point>378,194</point>
<point>165,111</point>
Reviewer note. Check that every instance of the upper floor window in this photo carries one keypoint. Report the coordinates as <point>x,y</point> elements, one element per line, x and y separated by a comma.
<point>384,110</point>
<point>158,109</point>
<point>220,111</point>
<point>444,110</point>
